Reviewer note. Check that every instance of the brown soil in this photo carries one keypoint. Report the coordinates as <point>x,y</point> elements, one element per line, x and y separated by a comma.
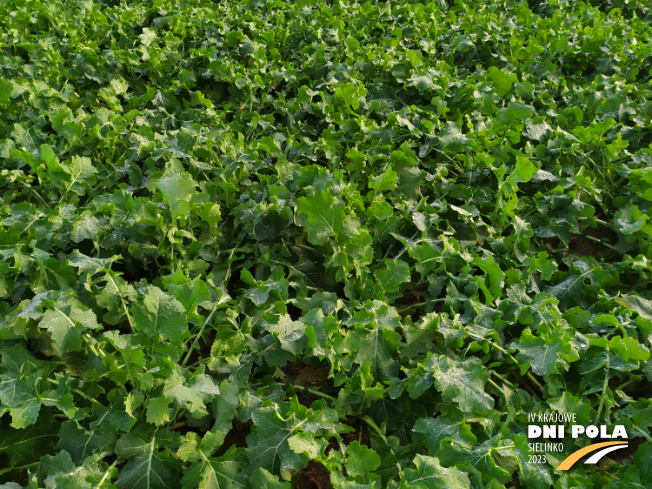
<point>583,246</point>
<point>306,376</point>
<point>361,433</point>
<point>408,304</point>
<point>315,476</point>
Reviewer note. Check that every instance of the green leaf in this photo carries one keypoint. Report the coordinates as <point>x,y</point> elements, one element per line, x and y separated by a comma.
<point>572,289</point>
<point>512,117</point>
<point>224,408</point>
<point>192,393</point>
<point>629,221</point>
<point>268,224</point>
<point>225,472</point>
<point>494,273</point>
<point>66,322</point>
<point>158,411</point>
<point>52,274</point>
<point>548,352</point>
<point>23,446</point>
<point>350,93</point>
<point>22,216</point>
<point>48,155</point>
<point>261,478</point>
<point>523,171</point>
<point>160,315</point>
<point>642,460</point>
<point>568,403</point>
<point>290,334</point>
<point>20,383</point>
<point>376,347</point>
<point>88,264</point>
<point>537,476</point>
<point>430,432</point>
<point>86,226</point>
<point>146,468</point>
<point>275,425</point>
<point>6,89</point>
<point>618,353</point>
<point>451,136</point>
<point>268,440</point>
<point>429,474</point>
<point>386,181</point>
<point>80,443</point>
<point>361,461</point>
<point>81,172</point>
<point>538,131</point>
<point>502,80</point>
<point>325,217</point>
<point>147,37</point>
<point>636,303</point>
<point>192,294</point>
<point>177,190</point>
<point>461,382</point>
<point>480,460</point>
<point>395,273</point>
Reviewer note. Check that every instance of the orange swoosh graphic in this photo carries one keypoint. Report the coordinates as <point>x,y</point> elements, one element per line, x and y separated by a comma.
<point>575,456</point>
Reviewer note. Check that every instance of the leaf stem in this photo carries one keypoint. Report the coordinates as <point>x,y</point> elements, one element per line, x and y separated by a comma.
<point>85,396</point>
<point>494,385</point>
<point>603,243</point>
<point>39,196</point>
<point>314,391</point>
<point>502,378</point>
<point>605,384</point>
<point>413,306</point>
<point>99,485</point>
<point>201,331</point>
<point>124,304</point>
<point>508,355</point>
<point>504,447</point>
<point>367,419</point>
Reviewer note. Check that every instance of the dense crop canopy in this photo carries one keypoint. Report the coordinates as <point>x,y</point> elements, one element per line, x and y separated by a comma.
<point>300,244</point>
